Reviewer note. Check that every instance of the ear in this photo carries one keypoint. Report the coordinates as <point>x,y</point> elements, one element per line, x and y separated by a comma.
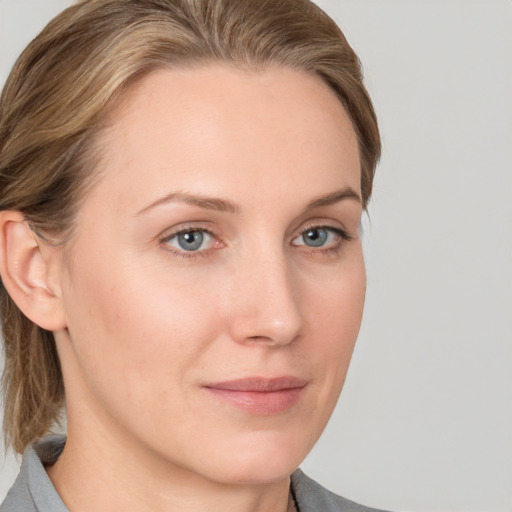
<point>29,269</point>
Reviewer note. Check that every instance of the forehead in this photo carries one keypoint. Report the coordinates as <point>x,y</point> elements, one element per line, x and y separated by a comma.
<point>222,129</point>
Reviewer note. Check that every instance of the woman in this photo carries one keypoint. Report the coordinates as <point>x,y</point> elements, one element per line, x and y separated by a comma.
<point>182,183</point>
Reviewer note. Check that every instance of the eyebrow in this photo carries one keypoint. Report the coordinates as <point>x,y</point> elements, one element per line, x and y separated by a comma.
<point>335,197</point>
<point>209,203</point>
<point>226,206</point>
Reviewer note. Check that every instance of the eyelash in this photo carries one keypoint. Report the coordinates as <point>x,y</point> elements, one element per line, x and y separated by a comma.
<point>343,235</point>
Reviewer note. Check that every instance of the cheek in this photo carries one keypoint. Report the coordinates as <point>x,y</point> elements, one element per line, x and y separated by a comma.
<point>334,313</point>
<point>134,332</point>
<point>336,303</point>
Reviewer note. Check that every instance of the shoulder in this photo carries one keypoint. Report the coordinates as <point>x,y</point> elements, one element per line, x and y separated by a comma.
<point>312,497</point>
<point>18,498</point>
<point>33,491</point>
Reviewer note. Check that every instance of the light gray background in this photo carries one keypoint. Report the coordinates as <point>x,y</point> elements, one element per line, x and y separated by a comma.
<point>425,420</point>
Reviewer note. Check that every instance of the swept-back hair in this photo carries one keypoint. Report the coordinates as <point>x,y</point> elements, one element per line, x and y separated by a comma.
<point>75,72</point>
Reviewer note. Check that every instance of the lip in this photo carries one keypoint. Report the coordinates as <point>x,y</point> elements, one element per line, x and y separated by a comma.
<point>259,395</point>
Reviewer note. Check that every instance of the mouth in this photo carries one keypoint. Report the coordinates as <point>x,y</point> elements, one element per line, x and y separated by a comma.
<point>258,395</point>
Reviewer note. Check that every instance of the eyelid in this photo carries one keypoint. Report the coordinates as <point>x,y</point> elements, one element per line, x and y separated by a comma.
<point>187,227</point>
<point>325,224</point>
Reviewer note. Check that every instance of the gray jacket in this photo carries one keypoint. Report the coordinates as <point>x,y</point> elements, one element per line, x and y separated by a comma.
<point>34,492</point>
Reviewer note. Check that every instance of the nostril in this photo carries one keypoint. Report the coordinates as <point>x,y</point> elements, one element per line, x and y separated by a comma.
<point>259,339</point>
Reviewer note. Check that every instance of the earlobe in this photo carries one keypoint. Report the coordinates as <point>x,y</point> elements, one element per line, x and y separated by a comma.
<point>25,266</point>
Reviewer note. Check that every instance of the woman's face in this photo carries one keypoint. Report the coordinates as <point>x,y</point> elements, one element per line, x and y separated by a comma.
<point>214,290</point>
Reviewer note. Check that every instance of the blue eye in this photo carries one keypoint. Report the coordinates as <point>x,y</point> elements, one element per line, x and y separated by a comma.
<point>321,237</point>
<point>315,237</point>
<point>190,240</point>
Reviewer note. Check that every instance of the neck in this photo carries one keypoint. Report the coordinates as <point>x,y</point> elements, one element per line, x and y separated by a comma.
<point>105,473</point>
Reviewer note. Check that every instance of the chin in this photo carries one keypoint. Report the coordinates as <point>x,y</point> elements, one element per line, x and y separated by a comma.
<point>253,473</point>
<point>265,461</point>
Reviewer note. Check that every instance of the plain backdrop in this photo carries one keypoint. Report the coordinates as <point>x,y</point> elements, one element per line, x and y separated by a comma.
<point>425,420</point>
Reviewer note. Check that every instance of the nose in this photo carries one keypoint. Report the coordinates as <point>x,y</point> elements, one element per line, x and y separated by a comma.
<point>266,302</point>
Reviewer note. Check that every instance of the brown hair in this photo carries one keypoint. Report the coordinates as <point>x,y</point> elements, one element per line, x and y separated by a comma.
<point>69,78</point>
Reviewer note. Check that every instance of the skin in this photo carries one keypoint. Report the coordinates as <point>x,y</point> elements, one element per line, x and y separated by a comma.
<point>146,324</point>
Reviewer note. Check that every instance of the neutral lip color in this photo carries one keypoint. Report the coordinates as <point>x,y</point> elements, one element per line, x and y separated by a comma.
<point>259,395</point>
